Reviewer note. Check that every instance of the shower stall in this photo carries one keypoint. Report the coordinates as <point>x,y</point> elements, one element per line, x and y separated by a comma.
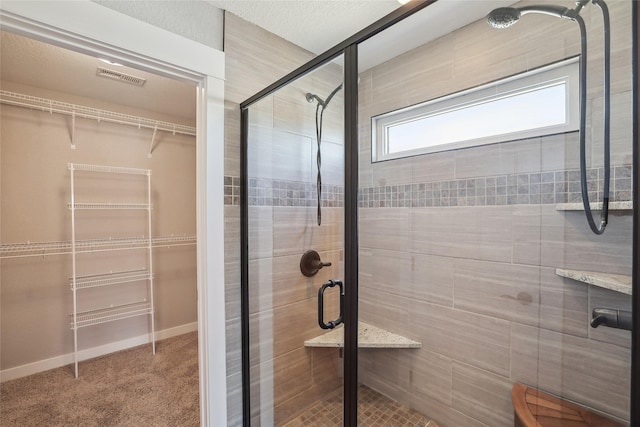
<point>414,243</point>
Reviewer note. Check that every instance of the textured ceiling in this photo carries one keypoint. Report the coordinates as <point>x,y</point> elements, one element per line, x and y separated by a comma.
<point>318,25</point>
<point>315,25</point>
<point>431,23</point>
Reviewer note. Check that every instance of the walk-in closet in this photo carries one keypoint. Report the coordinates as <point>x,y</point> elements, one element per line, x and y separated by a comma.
<point>98,211</point>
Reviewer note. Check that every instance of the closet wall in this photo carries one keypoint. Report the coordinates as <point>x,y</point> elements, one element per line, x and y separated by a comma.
<point>35,297</point>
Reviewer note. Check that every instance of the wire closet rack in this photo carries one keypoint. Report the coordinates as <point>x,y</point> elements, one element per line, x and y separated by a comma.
<point>36,249</point>
<point>81,111</point>
<point>72,248</point>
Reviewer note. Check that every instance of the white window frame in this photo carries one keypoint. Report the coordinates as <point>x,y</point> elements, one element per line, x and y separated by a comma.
<point>564,72</point>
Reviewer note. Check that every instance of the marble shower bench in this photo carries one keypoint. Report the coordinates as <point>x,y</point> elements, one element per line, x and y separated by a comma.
<point>368,337</point>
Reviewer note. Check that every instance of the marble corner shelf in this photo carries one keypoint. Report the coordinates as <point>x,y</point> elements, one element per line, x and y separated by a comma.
<point>368,337</point>
<point>613,206</point>
<point>615,282</point>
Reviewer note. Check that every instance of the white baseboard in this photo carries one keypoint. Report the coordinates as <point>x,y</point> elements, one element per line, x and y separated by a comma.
<point>90,353</point>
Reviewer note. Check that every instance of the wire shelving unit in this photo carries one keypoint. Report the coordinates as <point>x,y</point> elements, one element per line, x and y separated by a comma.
<point>79,318</point>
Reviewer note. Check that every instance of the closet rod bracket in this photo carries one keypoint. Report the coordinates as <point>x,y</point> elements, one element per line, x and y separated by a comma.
<point>153,139</point>
<point>73,130</point>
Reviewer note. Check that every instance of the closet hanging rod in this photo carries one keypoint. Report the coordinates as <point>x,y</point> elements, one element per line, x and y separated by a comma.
<point>52,106</point>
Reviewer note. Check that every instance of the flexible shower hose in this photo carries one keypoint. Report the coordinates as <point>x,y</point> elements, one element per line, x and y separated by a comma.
<point>319,114</point>
<point>604,215</point>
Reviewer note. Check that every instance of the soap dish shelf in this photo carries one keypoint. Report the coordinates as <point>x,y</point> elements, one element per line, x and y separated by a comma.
<point>615,282</point>
<point>622,207</point>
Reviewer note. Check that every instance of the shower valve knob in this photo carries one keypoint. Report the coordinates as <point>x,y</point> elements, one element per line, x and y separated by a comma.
<point>310,263</point>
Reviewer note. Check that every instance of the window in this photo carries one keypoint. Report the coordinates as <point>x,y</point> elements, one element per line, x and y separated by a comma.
<point>540,102</point>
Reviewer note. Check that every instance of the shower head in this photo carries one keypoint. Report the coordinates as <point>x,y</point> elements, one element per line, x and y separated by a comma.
<point>311,97</point>
<point>323,103</point>
<point>504,17</point>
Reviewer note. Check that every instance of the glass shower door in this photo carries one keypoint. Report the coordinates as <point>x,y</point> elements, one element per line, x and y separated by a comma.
<point>295,368</point>
<point>475,254</point>
<point>477,272</point>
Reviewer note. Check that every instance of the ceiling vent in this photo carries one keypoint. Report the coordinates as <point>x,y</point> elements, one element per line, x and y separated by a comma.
<point>117,75</point>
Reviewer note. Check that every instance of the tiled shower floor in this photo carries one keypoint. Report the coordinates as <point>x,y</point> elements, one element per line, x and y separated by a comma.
<point>374,410</point>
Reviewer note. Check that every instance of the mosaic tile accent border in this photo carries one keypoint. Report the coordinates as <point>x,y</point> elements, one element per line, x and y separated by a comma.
<point>267,192</point>
<point>528,188</point>
<point>232,190</point>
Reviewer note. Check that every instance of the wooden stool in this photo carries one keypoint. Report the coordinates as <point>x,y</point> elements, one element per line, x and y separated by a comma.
<point>533,408</point>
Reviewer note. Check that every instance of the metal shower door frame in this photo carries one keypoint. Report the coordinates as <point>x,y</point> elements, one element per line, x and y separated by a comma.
<point>349,48</point>
<point>635,289</point>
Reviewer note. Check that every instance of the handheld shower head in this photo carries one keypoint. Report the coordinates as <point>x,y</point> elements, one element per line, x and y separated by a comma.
<point>503,17</point>
<point>311,97</point>
<point>506,16</point>
<point>323,103</point>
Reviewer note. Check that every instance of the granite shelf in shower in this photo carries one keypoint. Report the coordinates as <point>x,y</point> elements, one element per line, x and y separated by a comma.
<point>613,206</point>
<point>368,337</point>
<point>615,282</point>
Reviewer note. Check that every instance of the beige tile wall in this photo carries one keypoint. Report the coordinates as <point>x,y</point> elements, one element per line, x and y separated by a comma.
<point>477,285</point>
<point>286,377</point>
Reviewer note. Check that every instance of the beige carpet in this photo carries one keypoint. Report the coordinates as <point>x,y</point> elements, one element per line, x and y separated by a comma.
<point>128,388</point>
